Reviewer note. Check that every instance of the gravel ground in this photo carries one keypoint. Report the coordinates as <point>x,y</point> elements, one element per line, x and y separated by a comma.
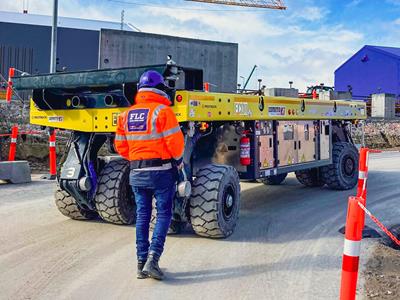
<point>286,246</point>
<point>382,273</point>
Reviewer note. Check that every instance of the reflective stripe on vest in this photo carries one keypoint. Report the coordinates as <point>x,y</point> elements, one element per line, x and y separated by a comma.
<point>149,137</point>
<point>166,166</point>
<point>154,117</point>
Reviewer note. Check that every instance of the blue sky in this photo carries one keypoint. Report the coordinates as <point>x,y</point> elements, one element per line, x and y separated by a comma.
<point>305,43</point>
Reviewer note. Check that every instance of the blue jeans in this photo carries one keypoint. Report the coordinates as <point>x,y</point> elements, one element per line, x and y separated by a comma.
<point>161,186</point>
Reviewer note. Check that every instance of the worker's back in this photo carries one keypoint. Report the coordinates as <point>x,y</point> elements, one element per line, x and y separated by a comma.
<point>149,129</point>
<point>148,134</point>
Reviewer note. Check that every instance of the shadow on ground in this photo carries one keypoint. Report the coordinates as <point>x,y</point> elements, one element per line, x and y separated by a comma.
<point>292,264</point>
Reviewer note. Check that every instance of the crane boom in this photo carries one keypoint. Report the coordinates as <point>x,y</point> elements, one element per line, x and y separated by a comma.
<point>272,4</point>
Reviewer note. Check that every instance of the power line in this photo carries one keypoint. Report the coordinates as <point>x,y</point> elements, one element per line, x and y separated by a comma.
<point>184,8</point>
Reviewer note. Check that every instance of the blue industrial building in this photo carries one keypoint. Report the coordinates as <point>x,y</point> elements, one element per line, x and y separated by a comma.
<point>371,70</point>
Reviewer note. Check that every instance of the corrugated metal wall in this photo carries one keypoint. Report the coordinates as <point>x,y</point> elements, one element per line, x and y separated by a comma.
<point>18,57</point>
<point>27,48</point>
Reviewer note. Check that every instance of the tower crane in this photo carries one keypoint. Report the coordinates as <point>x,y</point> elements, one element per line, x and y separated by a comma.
<point>272,4</point>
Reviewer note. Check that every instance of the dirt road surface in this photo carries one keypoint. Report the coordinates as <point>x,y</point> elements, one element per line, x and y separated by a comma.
<point>286,246</point>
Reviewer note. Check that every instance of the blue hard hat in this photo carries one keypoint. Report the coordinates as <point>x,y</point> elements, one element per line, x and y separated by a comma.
<point>151,79</point>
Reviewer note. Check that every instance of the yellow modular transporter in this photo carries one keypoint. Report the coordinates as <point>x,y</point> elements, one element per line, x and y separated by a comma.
<point>228,137</point>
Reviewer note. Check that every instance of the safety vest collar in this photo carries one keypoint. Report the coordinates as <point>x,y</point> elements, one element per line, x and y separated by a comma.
<point>149,95</point>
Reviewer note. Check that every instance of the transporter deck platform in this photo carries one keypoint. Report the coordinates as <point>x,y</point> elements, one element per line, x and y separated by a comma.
<point>201,106</point>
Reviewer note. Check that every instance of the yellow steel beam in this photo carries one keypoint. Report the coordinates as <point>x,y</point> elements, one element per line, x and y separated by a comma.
<point>208,107</point>
<point>199,106</point>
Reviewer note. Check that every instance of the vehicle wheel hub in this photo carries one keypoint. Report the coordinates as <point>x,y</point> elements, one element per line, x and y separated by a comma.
<point>349,166</point>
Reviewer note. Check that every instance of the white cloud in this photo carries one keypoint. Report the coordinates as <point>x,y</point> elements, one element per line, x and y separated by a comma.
<point>281,43</point>
<point>354,3</point>
<point>312,13</point>
<point>283,50</point>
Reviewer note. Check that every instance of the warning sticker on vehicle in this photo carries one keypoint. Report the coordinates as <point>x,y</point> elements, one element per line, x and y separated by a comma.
<point>115,119</point>
<point>242,109</point>
<point>55,119</point>
<point>194,103</point>
<point>276,110</point>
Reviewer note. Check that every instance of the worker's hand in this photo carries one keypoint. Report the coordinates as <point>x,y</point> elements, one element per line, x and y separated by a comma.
<point>180,166</point>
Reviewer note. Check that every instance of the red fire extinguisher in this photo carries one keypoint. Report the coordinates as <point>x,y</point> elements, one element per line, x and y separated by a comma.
<point>245,149</point>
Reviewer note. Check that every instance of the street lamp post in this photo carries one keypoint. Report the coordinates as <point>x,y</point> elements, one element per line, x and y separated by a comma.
<point>53,51</point>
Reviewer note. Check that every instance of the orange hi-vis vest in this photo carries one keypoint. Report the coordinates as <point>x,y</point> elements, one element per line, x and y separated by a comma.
<point>149,129</point>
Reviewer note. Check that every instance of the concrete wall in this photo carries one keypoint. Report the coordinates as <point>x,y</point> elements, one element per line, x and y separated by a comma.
<point>218,60</point>
<point>369,72</point>
<point>383,106</point>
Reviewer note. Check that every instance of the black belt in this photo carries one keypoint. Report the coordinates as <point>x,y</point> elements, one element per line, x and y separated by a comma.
<point>148,163</point>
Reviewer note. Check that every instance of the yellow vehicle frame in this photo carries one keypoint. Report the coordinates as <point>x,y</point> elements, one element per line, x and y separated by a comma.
<point>208,107</point>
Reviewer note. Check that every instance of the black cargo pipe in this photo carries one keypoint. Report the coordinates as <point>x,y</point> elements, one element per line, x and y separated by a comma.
<point>77,102</point>
<point>109,100</point>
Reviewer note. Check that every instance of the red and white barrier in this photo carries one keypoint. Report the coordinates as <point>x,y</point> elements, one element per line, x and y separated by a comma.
<point>9,91</point>
<point>362,178</point>
<point>363,173</point>
<point>314,94</point>
<point>13,143</point>
<point>355,223</point>
<point>351,249</point>
<point>52,148</point>
<point>380,225</point>
<point>52,155</point>
<point>206,86</point>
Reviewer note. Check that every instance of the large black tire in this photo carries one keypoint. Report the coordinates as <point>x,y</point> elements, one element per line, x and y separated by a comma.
<point>310,177</point>
<point>274,179</point>
<point>67,205</point>
<point>215,201</point>
<point>115,201</point>
<point>342,174</point>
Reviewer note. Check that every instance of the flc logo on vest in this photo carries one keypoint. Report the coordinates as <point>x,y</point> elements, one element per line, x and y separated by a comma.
<point>137,120</point>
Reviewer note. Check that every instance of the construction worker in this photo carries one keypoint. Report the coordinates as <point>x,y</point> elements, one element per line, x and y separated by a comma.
<point>149,136</point>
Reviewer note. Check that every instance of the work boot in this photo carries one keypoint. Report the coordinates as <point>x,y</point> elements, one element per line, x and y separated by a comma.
<point>151,268</point>
<point>140,274</point>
